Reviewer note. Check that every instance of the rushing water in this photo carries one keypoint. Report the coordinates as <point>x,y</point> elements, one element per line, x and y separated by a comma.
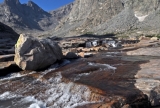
<point>57,94</point>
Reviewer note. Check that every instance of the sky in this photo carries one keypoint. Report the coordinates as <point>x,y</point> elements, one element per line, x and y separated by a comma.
<point>48,5</point>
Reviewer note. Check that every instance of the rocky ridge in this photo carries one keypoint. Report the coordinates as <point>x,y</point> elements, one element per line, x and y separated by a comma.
<point>111,16</point>
<point>30,17</point>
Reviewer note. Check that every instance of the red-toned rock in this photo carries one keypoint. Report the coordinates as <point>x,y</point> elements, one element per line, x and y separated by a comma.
<point>81,54</point>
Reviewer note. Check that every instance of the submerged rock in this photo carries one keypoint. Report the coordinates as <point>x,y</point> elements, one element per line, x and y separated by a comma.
<point>34,54</point>
<point>71,55</point>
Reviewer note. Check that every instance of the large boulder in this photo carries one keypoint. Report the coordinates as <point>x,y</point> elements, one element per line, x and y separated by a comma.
<point>34,54</point>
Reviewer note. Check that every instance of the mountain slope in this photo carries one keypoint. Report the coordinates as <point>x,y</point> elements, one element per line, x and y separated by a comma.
<point>111,16</point>
<point>29,17</point>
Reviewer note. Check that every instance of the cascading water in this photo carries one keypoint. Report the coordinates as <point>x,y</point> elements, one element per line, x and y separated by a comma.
<point>57,93</point>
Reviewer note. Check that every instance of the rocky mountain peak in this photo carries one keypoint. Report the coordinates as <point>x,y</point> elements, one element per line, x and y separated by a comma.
<point>29,16</point>
<point>111,16</point>
<point>34,6</point>
<point>11,2</point>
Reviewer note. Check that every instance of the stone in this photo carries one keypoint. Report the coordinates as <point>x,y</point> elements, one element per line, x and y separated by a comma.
<point>145,51</point>
<point>147,79</point>
<point>1,53</point>
<point>71,55</point>
<point>88,54</point>
<point>88,44</point>
<point>34,54</point>
<point>96,49</point>
<point>102,48</point>
<point>8,67</point>
<point>81,54</point>
<point>9,57</point>
<point>144,38</point>
<point>112,43</point>
<point>79,49</point>
<point>86,49</point>
<point>154,38</point>
<point>95,43</point>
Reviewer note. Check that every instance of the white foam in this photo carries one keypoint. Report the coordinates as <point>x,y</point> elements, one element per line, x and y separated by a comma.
<point>8,95</point>
<point>102,66</point>
<point>77,77</point>
<point>66,95</point>
<point>5,94</point>
<point>35,103</point>
<point>58,95</point>
<point>14,75</point>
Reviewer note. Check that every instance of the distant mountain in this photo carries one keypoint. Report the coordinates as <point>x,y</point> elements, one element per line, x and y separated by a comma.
<point>30,17</point>
<point>133,17</point>
<point>126,17</point>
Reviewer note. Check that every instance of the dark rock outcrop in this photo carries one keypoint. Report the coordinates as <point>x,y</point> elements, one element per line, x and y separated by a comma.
<point>34,54</point>
<point>8,67</point>
<point>8,38</point>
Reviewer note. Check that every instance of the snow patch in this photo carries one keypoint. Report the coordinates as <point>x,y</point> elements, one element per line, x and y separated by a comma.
<point>140,18</point>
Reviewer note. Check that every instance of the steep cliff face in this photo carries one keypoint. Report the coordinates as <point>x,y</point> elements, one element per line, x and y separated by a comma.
<point>87,14</point>
<point>138,15</point>
<point>24,17</point>
<point>110,16</point>
<point>60,12</point>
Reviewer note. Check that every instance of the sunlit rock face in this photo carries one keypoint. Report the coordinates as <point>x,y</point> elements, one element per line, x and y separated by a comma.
<point>34,54</point>
<point>105,16</point>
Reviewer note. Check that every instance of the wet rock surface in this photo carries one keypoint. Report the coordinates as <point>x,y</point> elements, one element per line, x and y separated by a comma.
<point>108,78</point>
